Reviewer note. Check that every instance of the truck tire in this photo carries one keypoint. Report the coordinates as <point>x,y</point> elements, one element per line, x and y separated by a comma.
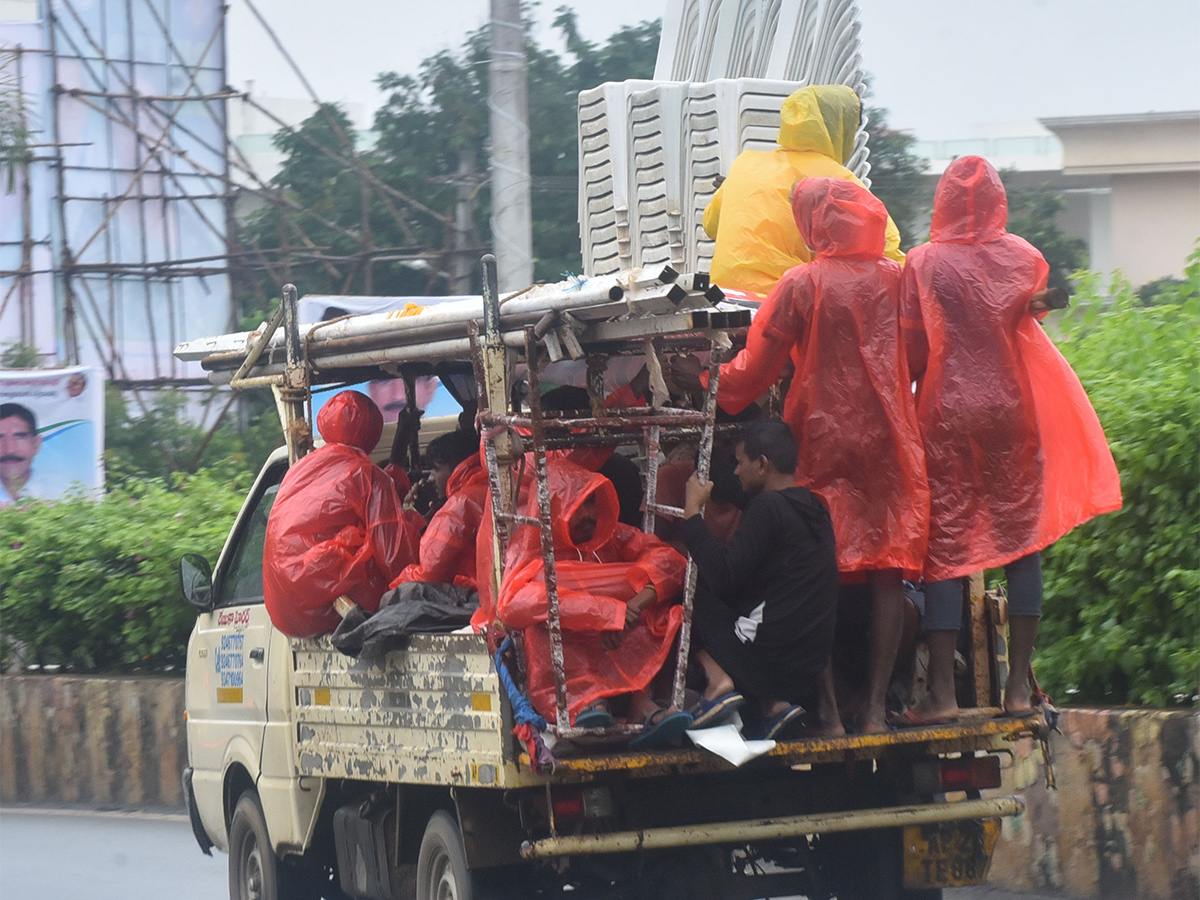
<point>255,873</point>
<point>442,871</point>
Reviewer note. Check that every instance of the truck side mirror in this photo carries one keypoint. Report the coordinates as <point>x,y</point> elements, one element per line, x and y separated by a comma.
<point>195,581</point>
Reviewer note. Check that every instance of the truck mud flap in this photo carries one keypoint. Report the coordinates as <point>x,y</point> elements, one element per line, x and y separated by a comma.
<point>189,800</point>
<point>749,831</point>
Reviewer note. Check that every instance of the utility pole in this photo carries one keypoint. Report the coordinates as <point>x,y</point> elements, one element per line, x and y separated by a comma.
<point>508,105</point>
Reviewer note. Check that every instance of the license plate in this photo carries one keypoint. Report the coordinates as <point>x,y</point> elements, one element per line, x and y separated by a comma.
<point>949,854</point>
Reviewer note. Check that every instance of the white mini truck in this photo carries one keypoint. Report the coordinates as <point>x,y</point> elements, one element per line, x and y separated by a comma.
<point>400,776</point>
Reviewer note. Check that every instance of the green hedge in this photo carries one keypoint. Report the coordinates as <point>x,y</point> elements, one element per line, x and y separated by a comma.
<point>93,586</point>
<point>1122,616</point>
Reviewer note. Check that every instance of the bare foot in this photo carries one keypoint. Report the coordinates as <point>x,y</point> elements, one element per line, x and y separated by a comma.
<point>823,730</point>
<point>934,712</point>
<point>872,719</point>
<point>718,689</point>
<point>1018,703</point>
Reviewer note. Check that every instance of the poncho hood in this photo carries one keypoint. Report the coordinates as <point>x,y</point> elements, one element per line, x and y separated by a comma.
<point>823,119</point>
<point>839,218</point>
<point>970,205</point>
<point>570,487</point>
<point>351,418</point>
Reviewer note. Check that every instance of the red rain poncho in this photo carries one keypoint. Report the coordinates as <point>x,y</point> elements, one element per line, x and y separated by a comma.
<point>448,544</point>
<point>590,458</point>
<point>595,580</point>
<point>1015,454</point>
<point>335,527</point>
<point>850,403</point>
<point>749,217</point>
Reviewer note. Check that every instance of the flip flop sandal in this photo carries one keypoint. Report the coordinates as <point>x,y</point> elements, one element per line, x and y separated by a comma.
<point>660,728</point>
<point>909,719</point>
<point>595,716</point>
<point>789,719</point>
<point>710,713</point>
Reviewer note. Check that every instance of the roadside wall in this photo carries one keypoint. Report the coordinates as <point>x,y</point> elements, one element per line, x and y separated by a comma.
<point>109,742</point>
<point>1122,824</point>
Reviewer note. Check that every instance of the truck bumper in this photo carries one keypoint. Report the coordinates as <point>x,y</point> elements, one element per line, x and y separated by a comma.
<point>744,832</point>
<point>189,799</point>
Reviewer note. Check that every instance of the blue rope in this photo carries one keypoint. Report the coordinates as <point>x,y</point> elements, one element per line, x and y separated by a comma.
<point>523,711</point>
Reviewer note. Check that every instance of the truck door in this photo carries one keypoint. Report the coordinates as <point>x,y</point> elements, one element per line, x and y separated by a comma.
<point>227,659</point>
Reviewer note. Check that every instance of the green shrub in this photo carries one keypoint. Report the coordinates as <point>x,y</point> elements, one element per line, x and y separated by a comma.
<point>1122,615</point>
<point>93,586</point>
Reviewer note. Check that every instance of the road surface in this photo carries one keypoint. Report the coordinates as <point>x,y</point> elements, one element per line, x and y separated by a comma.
<point>55,854</point>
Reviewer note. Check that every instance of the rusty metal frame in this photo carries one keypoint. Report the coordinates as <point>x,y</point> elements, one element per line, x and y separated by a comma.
<point>644,425</point>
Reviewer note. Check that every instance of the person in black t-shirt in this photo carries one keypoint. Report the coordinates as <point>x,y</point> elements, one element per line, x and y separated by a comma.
<point>766,600</point>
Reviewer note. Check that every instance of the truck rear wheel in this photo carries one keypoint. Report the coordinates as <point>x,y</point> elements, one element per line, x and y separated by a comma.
<point>442,871</point>
<point>255,873</point>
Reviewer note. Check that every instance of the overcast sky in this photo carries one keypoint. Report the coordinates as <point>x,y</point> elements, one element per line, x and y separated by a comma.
<point>939,66</point>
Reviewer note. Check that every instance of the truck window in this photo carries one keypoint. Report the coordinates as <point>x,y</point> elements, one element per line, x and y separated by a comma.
<point>242,581</point>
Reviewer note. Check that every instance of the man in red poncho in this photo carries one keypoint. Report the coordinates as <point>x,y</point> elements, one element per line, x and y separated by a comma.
<point>335,527</point>
<point>1014,451</point>
<point>850,404</point>
<point>448,544</point>
<point>617,588</point>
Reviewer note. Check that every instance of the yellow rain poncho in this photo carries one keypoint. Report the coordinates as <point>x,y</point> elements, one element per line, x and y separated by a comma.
<point>751,215</point>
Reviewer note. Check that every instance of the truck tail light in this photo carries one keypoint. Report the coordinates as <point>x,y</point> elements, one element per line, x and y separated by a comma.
<point>574,804</point>
<point>967,773</point>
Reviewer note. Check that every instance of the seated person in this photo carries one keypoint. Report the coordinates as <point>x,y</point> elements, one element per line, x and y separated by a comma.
<point>766,600</point>
<point>448,545</point>
<point>617,588</point>
<point>622,471</point>
<point>336,525</point>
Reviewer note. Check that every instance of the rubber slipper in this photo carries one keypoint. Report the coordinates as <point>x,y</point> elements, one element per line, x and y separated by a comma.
<point>909,719</point>
<point>775,727</point>
<point>595,716</point>
<point>709,713</point>
<point>661,727</point>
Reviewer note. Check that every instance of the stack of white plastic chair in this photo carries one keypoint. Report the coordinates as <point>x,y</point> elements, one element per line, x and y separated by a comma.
<point>655,173</point>
<point>650,151</point>
<point>604,177</point>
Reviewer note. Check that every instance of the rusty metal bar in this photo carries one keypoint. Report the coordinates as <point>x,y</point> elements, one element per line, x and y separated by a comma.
<point>652,435</point>
<point>546,529</point>
<point>239,377</point>
<point>703,462</point>
<point>754,830</point>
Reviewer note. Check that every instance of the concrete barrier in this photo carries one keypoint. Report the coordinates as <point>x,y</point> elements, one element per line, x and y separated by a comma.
<point>109,742</point>
<point>1122,824</point>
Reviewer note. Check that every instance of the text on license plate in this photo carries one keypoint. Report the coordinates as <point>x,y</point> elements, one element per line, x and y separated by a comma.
<point>949,854</point>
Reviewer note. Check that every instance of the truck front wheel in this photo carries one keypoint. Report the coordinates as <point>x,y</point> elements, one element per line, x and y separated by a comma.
<point>442,872</point>
<point>254,871</point>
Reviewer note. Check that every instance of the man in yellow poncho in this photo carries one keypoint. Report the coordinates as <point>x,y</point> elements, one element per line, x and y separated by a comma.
<point>750,217</point>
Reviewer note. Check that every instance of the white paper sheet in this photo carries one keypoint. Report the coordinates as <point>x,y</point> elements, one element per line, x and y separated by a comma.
<point>726,741</point>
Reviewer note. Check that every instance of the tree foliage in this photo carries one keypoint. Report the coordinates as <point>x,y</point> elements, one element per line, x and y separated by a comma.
<point>1032,214</point>
<point>1122,621</point>
<point>166,437</point>
<point>897,176</point>
<point>431,148</point>
<point>93,586</point>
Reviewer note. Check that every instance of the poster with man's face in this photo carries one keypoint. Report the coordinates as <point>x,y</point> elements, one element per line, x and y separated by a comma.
<point>51,433</point>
